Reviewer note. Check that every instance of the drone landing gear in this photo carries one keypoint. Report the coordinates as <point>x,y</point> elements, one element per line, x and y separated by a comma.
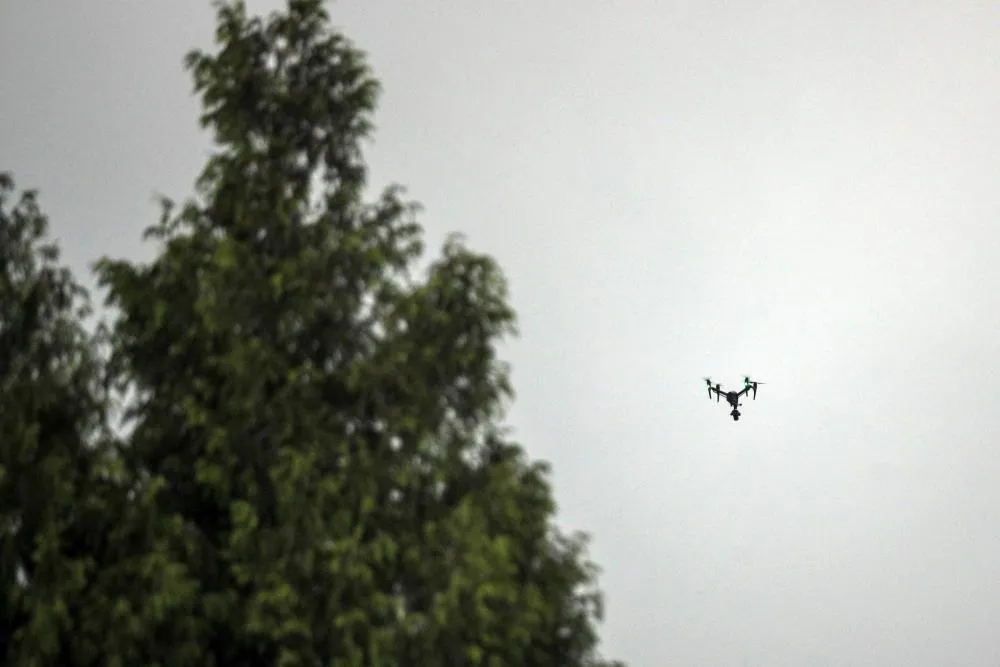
<point>736,415</point>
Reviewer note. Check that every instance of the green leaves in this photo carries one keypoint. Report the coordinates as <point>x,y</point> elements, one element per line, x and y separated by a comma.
<point>315,470</point>
<point>49,425</point>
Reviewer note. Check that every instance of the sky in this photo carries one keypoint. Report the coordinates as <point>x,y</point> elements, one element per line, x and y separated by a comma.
<point>806,192</point>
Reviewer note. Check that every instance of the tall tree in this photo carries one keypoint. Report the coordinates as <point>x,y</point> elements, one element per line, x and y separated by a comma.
<point>318,426</point>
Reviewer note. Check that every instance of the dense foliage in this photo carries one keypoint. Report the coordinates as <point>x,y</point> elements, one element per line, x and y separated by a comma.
<point>313,469</point>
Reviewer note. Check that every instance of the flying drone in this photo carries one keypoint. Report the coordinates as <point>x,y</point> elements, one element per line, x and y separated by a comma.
<point>733,397</point>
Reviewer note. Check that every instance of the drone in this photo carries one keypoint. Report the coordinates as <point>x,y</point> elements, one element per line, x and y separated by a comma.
<point>733,397</point>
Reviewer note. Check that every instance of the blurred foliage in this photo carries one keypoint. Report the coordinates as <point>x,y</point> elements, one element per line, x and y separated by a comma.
<point>312,468</point>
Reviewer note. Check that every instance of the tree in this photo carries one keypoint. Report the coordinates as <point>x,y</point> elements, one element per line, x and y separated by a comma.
<point>80,568</point>
<point>48,421</point>
<point>315,470</point>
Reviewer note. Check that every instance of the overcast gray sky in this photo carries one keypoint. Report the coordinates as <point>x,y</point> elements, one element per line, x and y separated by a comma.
<point>804,191</point>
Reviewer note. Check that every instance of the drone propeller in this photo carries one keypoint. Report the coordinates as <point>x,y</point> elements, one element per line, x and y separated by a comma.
<point>751,384</point>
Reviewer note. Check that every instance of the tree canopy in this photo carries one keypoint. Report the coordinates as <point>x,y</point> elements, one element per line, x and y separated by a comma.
<point>313,467</point>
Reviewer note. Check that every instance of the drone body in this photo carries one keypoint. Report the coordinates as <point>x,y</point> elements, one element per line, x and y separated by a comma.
<point>733,397</point>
